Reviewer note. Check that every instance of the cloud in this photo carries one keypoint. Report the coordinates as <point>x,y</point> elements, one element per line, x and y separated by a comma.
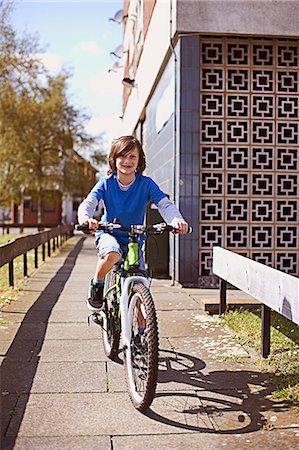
<point>51,61</point>
<point>106,83</point>
<point>111,125</point>
<point>105,92</point>
<point>90,47</point>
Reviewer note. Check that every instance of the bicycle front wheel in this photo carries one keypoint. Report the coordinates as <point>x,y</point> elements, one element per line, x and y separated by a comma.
<point>141,358</point>
<point>111,320</point>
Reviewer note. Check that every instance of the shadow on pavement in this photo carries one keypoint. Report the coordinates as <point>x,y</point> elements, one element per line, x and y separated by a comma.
<point>235,402</point>
<point>21,360</point>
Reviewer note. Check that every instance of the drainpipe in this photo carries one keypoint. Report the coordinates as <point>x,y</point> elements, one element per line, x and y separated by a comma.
<point>175,139</point>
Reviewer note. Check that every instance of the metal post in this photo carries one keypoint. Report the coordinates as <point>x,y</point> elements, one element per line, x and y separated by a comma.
<point>11,273</point>
<point>266,320</point>
<point>222,304</point>
<point>25,267</point>
<point>43,251</point>
<point>49,247</point>
<point>36,257</point>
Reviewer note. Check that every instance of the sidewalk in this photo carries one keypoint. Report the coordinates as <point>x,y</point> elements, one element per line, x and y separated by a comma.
<point>60,392</point>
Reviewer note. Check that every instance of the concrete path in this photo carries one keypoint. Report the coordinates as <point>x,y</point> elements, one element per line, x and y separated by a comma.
<point>60,392</point>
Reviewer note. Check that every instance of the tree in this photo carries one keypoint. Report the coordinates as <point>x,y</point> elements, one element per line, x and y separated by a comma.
<point>40,131</point>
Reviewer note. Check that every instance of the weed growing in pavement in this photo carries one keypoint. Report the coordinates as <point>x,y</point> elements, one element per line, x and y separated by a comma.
<point>283,361</point>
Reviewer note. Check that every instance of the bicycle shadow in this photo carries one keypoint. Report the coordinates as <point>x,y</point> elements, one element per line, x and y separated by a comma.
<point>21,360</point>
<point>191,397</point>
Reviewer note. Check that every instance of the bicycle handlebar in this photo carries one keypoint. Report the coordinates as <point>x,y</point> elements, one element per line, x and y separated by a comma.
<point>158,228</point>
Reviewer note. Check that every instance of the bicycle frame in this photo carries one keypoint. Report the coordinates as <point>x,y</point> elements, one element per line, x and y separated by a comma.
<point>126,283</point>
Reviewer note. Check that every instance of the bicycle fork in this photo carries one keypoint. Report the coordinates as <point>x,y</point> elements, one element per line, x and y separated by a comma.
<point>126,309</point>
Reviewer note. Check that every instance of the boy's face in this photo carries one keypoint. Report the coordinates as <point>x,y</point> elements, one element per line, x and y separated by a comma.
<point>128,163</point>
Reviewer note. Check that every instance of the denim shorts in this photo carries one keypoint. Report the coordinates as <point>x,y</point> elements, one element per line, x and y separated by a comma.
<point>105,243</point>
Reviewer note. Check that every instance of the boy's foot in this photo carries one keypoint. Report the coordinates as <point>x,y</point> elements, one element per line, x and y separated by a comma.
<point>95,296</point>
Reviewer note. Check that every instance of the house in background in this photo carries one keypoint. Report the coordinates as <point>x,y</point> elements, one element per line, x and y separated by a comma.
<point>211,88</point>
<point>58,206</point>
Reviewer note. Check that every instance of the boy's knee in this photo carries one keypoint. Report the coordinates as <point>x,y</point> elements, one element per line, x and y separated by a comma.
<point>112,257</point>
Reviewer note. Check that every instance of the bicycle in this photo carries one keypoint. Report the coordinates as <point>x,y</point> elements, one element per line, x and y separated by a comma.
<point>129,312</point>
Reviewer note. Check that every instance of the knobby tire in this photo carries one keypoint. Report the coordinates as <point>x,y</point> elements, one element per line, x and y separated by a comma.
<point>142,362</point>
<point>111,325</point>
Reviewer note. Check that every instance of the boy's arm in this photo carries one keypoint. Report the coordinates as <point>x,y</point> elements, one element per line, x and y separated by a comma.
<point>86,211</point>
<point>172,215</point>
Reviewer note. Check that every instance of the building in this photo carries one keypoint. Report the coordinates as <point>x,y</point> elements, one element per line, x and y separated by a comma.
<point>211,89</point>
<point>58,206</point>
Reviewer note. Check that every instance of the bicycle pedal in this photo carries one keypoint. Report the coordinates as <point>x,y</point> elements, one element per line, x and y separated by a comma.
<point>98,319</point>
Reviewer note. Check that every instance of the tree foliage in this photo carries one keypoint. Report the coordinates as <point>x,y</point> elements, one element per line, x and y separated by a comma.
<point>41,133</point>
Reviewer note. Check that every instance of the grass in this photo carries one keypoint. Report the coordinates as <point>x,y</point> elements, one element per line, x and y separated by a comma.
<point>283,361</point>
<point>9,237</point>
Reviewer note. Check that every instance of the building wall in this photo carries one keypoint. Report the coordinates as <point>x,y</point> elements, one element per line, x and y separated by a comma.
<point>254,17</point>
<point>188,119</point>
<point>251,17</point>
<point>248,149</point>
<point>235,132</point>
<point>148,8</point>
<point>51,211</point>
<point>159,141</point>
<point>155,48</point>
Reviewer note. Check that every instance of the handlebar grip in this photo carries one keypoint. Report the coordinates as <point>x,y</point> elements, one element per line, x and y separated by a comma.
<point>83,227</point>
<point>175,230</point>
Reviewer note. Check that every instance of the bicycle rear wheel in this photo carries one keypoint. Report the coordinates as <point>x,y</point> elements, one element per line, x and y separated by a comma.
<point>141,359</point>
<point>111,320</point>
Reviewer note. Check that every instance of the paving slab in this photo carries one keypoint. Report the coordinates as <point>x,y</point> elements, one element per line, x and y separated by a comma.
<point>180,371</point>
<point>229,412</point>
<point>72,350</point>
<point>276,439</point>
<point>20,350</point>
<point>21,305</point>
<point>8,404</point>
<point>41,286</point>
<point>75,314</point>
<point>59,443</point>
<point>170,301</point>
<point>69,330</point>
<point>209,299</point>
<point>71,297</point>
<point>178,323</point>
<point>214,342</point>
<point>104,414</point>
<point>32,316</point>
<point>53,377</point>
<point>116,376</point>
<point>22,331</point>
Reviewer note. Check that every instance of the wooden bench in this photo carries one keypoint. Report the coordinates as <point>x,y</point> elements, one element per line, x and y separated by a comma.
<point>274,289</point>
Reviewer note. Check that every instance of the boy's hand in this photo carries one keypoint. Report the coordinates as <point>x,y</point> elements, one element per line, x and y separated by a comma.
<point>182,226</point>
<point>92,223</point>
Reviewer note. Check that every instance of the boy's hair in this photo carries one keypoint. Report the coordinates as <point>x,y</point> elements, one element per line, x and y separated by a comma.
<point>120,147</point>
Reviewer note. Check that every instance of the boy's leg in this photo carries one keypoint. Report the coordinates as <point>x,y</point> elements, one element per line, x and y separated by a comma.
<point>105,264</point>
<point>109,254</point>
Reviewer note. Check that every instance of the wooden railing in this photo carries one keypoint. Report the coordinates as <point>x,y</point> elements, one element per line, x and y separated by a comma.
<point>6,227</point>
<point>274,289</point>
<point>22,245</point>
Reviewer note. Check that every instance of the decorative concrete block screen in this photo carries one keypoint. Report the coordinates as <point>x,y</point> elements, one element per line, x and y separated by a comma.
<point>249,144</point>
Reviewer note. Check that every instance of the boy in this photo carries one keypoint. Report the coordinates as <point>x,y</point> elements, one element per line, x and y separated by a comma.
<point>125,193</point>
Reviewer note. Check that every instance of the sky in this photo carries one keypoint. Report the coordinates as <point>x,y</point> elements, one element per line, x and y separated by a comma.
<point>79,36</point>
